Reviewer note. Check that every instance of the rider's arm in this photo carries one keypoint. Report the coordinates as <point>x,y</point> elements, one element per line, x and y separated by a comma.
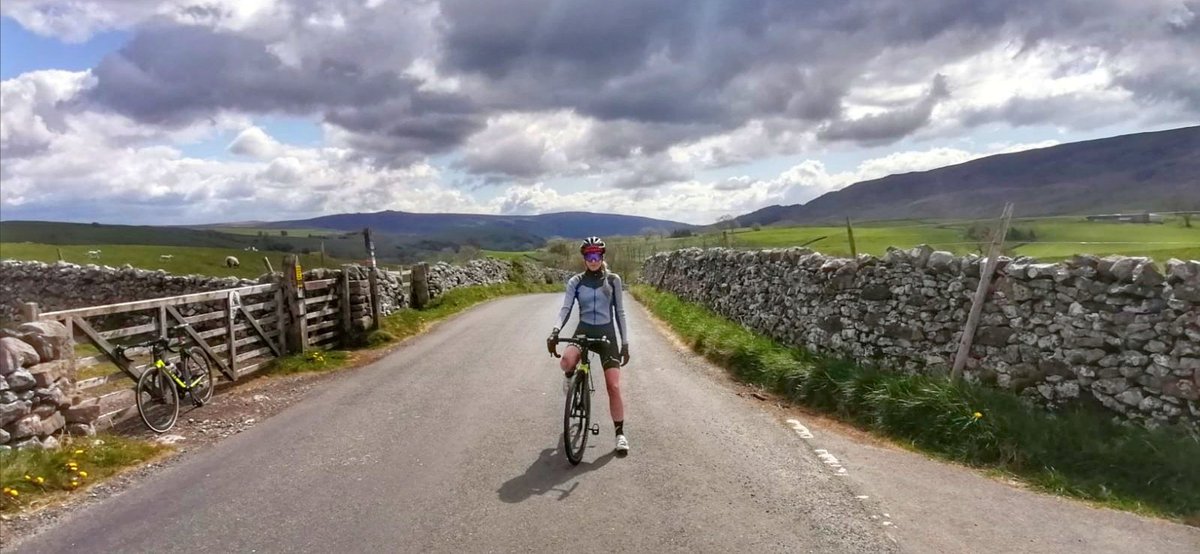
<point>619,308</point>
<point>568,302</point>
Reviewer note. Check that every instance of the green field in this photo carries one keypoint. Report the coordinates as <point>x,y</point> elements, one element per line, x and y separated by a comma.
<point>1051,239</point>
<point>1055,238</point>
<point>187,260</point>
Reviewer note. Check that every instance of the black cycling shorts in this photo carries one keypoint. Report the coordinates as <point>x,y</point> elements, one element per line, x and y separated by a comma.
<point>610,356</point>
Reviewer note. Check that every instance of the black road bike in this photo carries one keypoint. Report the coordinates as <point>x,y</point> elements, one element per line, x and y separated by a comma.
<point>161,385</point>
<point>577,415</point>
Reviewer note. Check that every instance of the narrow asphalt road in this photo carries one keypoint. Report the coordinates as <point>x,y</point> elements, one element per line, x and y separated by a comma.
<point>452,443</point>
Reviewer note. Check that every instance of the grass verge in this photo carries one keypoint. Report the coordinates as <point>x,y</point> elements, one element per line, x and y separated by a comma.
<point>1077,452</point>
<point>32,477</point>
<point>403,324</point>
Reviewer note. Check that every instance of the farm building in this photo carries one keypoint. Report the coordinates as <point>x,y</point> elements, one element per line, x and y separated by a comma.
<point>1128,218</point>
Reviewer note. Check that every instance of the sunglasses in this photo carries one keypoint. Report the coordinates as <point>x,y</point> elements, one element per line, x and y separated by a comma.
<point>593,256</point>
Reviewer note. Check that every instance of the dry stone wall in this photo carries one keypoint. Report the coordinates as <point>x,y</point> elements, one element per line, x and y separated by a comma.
<point>444,277</point>
<point>65,286</point>
<point>38,400</point>
<point>1119,330</point>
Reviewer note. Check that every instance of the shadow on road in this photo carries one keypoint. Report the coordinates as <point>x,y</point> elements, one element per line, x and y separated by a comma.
<point>548,471</point>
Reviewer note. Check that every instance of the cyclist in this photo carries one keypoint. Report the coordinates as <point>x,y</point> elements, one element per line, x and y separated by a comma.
<point>598,292</point>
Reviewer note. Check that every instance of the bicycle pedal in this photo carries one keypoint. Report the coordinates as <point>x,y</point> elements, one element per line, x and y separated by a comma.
<point>595,428</point>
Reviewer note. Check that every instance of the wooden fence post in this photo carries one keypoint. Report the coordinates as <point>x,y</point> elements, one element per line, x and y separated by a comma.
<point>294,296</point>
<point>376,309</point>
<point>230,318</point>
<point>850,234</point>
<point>281,318</point>
<point>420,285</point>
<point>162,322</point>
<point>344,301</point>
<point>30,312</point>
<point>985,283</point>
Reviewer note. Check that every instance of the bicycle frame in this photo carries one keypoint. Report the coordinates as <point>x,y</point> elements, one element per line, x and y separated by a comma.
<point>174,372</point>
<point>158,349</point>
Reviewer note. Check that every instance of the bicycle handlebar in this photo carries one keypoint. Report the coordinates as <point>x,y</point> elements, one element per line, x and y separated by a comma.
<point>164,343</point>
<point>580,340</point>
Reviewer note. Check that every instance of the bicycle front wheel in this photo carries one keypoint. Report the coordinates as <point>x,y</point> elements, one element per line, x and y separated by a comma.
<point>157,400</point>
<point>197,368</point>
<point>577,418</point>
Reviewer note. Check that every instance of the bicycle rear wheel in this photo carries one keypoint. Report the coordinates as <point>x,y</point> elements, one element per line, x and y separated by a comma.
<point>200,372</point>
<point>157,400</point>
<point>577,418</point>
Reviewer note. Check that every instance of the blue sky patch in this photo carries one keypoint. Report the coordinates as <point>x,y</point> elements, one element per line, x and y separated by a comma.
<point>22,51</point>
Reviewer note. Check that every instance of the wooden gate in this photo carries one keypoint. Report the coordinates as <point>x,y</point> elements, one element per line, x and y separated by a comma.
<point>239,329</point>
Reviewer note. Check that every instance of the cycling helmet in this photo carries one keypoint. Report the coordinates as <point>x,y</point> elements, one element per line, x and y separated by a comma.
<point>592,244</point>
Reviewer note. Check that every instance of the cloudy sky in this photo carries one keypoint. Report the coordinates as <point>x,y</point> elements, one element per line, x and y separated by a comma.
<point>190,111</point>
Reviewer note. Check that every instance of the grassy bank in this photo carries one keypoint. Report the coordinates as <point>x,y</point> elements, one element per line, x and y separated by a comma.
<point>1079,453</point>
<point>32,477</point>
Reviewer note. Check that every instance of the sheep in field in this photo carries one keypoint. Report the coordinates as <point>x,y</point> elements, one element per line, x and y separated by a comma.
<point>94,254</point>
<point>165,257</point>
<point>231,261</point>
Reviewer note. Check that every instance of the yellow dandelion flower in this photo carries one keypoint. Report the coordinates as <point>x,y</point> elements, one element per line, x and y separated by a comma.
<point>80,451</point>
<point>40,480</point>
<point>14,493</point>
<point>977,415</point>
<point>83,474</point>
<point>28,478</point>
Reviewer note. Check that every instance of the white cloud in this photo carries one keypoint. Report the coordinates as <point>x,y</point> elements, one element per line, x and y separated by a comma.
<point>754,140</point>
<point>104,165</point>
<point>255,142</point>
<point>809,179</point>
<point>30,118</point>
<point>79,20</point>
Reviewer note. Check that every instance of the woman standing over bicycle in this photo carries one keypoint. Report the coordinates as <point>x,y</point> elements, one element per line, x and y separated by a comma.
<point>598,292</point>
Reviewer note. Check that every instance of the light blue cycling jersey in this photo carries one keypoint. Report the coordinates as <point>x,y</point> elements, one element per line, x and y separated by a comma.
<point>598,304</point>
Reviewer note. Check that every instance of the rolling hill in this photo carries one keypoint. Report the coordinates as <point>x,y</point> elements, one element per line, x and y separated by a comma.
<point>1144,171</point>
<point>489,231</point>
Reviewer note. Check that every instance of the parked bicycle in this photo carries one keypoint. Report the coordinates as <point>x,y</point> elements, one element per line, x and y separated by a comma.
<point>163,383</point>
<point>577,416</point>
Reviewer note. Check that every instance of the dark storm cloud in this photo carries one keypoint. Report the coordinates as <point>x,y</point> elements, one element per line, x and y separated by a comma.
<point>398,130</point>
<point>650,173</point>
<point>177,74</point>
<point>888,126</point>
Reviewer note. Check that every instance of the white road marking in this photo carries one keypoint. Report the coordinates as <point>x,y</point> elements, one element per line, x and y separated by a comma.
<point>801,429</point>
<point>825,456</point>
<point>830,461</point>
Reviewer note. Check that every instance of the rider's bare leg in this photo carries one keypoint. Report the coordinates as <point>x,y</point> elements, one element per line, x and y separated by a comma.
<point>616,407</point>
<point>569,359</point>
